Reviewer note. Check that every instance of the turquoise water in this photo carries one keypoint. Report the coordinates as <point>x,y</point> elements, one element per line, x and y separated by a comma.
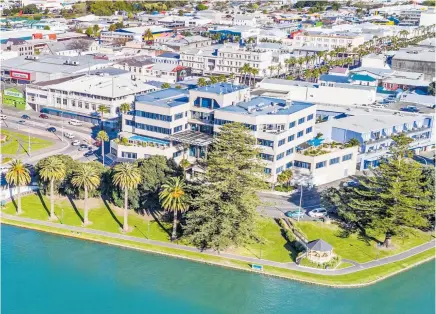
<point>43,273</point>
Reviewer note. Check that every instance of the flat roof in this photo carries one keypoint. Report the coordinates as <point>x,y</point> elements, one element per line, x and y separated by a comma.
<point>105,86</point>
<point>170,97</point>
<point>192,138</point>
<point>259,106</point>
<point>53,63</point>
<point>221,88</point>
<point>287,82</point>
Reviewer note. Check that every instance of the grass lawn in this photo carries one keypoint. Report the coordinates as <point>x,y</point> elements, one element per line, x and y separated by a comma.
<point>275,246</point>
<point>101,217</point>
<point>354,248</point>
<point>344,265</point>
<point>12,145</point>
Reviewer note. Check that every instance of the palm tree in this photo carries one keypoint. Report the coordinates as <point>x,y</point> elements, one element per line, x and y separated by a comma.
<point>165,85</point>
<point>127,177</point>
<point>102,137</point>
<point>173,198</point>
<point>201,82</point>
<point>300,62</point>
<point>279,68</point>
<point>255,72</point>
<point>88,178</point>
<point>52,169</point>
<point>125,108</point>
<point>19,176</point>
<point>148,34</point>
<point>245,70</point>
<point>102,109</point>
<point>271,69</point>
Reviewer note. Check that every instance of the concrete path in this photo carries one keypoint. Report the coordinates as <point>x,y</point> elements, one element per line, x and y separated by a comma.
<point>250,260</point>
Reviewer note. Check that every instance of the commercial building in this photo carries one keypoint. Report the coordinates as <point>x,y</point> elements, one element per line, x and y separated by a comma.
<point>32,69</point>
<point>180,124</point>
<point>83,94</point>
<point>133,33</point>
<point>415,59</point>
<point>328,39</point>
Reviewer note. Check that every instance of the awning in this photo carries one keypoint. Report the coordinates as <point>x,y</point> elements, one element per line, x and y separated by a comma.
<point>192,138</point>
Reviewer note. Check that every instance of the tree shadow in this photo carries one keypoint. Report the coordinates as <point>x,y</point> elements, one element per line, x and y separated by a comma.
<point>70,199</point>
<point>42,202</point>
<point>106,204</point>
<point>153,214</point>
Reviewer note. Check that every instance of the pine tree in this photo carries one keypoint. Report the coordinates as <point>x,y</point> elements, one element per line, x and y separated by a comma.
<point>391,201</point>
<point>224,212</point>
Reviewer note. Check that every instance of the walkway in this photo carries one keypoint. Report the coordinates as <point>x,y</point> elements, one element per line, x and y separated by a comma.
<point>250,260</point>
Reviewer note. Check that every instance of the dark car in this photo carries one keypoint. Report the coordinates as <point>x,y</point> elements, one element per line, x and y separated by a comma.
<point>84,146</point>
<point>25,116</point>
<point>89,154</point>
<point>43,116</point>
<point>21,121</point>
<point>410,109</point>
<point>51,129</point>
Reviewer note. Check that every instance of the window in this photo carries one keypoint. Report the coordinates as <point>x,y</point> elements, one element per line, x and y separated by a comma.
<point>64,102</point>
<point>266,157</point>
<point>129,155</point>
<point>321,164</point>
<point>301,164</point>
<point>263,142</point>
<point>267,170</point>
<point>73,103</point>
<point>289,151</point>
<point>292,124</point>
<point>279,169</point>
<point>177,154</point>
<point>178,128</point>
<point>280,156</point>
<point>58,100</point>
<point>347,157</point>
<point>291,138</point>
<point>154,116</point>
<point>334,160</point>
<point>86,105</point>
<point>300,134</point>
<point>309,117</point>
<point>94,107</point>
<point>289,165</point>
<point>308,130</point>
<point>80,104</point>
<point>301,120</point>
<point>178,116</point>
<point>282,142</point>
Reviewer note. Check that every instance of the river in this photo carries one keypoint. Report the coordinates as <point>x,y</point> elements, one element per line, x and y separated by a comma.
<point>43,273</point>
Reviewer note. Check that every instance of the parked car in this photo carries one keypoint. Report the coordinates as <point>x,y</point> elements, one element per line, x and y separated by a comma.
<point>295,214</point>
<point>410,109</point>
<point>51,129</point>
<point>84,146</point>
<point>75,122</point>
<point>22,121</point>
<point>351,183</point>
<point>25,116</point>
<point>3,117</point>
<point>97,144</point>
<point>75,143</point>
<point>89,154</point>
<point>43,116</point>
<point>69,135</point>
<point>318,212</point>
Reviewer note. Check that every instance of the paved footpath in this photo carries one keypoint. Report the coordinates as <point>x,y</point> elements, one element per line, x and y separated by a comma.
<point>292,266</point>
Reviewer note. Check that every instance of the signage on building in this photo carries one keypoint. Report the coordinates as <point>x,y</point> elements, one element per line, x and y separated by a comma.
<point>20,75</point>
<point>13,93</point>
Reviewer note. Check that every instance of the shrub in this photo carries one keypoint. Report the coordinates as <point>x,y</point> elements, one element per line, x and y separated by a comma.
<point>283,188</point>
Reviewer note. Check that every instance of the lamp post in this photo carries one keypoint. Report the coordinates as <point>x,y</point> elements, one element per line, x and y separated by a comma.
<point>302,179</point>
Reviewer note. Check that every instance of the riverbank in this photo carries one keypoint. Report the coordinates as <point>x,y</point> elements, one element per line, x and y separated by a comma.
<point>357,278</point>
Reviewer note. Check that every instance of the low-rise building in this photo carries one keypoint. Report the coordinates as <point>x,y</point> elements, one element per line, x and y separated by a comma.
<point>415,59</point>
<point>327,39</point>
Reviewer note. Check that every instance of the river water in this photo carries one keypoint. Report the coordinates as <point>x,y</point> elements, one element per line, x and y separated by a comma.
<point>43,273</point>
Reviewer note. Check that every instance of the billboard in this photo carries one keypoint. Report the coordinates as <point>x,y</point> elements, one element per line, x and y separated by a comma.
<point>20,75</point>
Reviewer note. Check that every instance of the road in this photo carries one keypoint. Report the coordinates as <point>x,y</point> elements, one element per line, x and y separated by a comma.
<point>291,266</point>
<point>38,127</point>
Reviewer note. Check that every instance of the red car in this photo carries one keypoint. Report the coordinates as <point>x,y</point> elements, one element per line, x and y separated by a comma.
<point>97,143</point>
<point>43,116</point>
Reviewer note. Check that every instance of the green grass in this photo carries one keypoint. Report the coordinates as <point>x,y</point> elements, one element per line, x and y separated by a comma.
<point>274,247</point>
<point>344,265</point>
<point>356,249</point>
<point>100,217</point>
<point>361,277</point>
<point>12,145</point>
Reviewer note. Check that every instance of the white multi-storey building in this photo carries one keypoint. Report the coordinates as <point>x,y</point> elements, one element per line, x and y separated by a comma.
<point>80,96</point>
<point>329,40</point>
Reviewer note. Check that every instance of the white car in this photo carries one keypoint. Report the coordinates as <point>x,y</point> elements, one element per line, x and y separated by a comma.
<point>318,212</point>
<point>75,143</point>
<point>75,122</point>
<point>3,117</point>
<point>69,135</point>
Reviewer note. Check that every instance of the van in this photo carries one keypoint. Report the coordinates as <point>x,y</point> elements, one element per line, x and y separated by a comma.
<point>75,122</point>
<point>69,135</point>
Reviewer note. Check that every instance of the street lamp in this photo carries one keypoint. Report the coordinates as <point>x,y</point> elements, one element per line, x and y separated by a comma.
<point>302,179</point>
